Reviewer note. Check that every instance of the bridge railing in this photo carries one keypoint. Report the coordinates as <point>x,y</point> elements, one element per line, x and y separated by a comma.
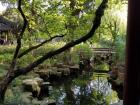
<point>103,50</point>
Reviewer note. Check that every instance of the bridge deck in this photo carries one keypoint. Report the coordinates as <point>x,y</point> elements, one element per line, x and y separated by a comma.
<point>103,50</point>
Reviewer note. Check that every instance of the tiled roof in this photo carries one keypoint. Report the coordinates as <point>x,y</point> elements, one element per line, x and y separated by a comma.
<point>7,25</point>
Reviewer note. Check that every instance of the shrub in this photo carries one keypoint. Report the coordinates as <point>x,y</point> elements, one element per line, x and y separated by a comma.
<point>83,50</point>
<point>120,49</point>
<point>7,49</point>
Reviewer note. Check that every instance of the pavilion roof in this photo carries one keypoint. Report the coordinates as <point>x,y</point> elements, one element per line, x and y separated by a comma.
<point>7,25</point>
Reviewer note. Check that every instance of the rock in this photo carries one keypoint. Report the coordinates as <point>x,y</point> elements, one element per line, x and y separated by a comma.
<point>63,71</point>
<point>58,74</point>
<point>41,67</point>
<point>54,68</point>
<point>9,93</point>
<point>48,102</point>
<point>46,83</point>
<point>31,85</point>
<point>26,98</point>
<point>26,101</point>
<point>37,87</point>
<point>65,66</point>
<point>44,74</point>
<point>38,80</point>
<point>74,69</point>
<point>66,71</point>
<point>119,103</point>
<point>59,65</point>
<point>36,102</point>
<point>121,76</point>
<point>114,73</point>
<point>44,90</point>
<point>52,72</point>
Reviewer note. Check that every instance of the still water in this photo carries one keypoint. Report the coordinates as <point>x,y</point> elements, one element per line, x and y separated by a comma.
<point>87,89</point>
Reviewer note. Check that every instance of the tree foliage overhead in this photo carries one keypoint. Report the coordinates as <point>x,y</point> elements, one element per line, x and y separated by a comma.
<point>55,17</point>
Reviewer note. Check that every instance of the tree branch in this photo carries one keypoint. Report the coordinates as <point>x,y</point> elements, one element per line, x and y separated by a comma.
<point>19,37</point>
<point>37,46</point>
<point>97,21</point>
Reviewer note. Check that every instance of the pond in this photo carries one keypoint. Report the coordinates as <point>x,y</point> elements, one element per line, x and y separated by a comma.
<point>85,89</point>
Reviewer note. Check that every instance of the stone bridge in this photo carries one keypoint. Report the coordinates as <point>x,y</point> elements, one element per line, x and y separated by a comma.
<point>103,55</point>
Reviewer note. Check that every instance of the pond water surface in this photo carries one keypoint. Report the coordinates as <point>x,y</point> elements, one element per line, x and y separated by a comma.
<point>86,89</point>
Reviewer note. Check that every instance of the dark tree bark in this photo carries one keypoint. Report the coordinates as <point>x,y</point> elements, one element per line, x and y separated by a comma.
<point>37,46</point>
<point>132,80</point>
<point>11,74</point>
<point>4,84</point>
<point>14,72</point>
<point>19,36</point>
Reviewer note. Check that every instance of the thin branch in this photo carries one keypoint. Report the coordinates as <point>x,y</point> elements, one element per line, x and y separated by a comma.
<point>37,46</point>
<point>97,21</point>
<point>19,37</point>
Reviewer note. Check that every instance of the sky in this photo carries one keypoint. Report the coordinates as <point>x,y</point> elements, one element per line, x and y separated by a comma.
<point>2,8</point>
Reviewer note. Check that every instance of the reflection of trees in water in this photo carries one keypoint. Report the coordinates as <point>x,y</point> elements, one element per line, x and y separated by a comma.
<point>70,97</point>
<point>92,92</point>
<point>82,91</point>
<point>101,84</point>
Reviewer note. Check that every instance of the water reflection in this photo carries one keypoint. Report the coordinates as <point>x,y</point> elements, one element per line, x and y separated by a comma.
<point>84,90</point>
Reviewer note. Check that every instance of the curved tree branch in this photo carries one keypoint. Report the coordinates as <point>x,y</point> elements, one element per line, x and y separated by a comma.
<point>96,23</point>
<point>37,46</point>
<point>19,37</point>
<point>11,73</point>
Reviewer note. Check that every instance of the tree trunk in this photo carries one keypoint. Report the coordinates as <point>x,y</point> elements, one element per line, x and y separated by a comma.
<point>2,91</point>
<point>4,84</point>
<point>132,79</point>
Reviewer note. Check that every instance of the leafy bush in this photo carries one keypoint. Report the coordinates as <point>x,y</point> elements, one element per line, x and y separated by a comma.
<point>73,53</point>
<point>16,100</point>
<point>5,58</point>
<point>102,66</point>
<point>13,97</point>
<point>80,50</point>
<point>6,49</point>
<point>48,47</point>
<point>26,60</point>
<point>83,49</point>
<point>2,70</point>
<point>120,49</point>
